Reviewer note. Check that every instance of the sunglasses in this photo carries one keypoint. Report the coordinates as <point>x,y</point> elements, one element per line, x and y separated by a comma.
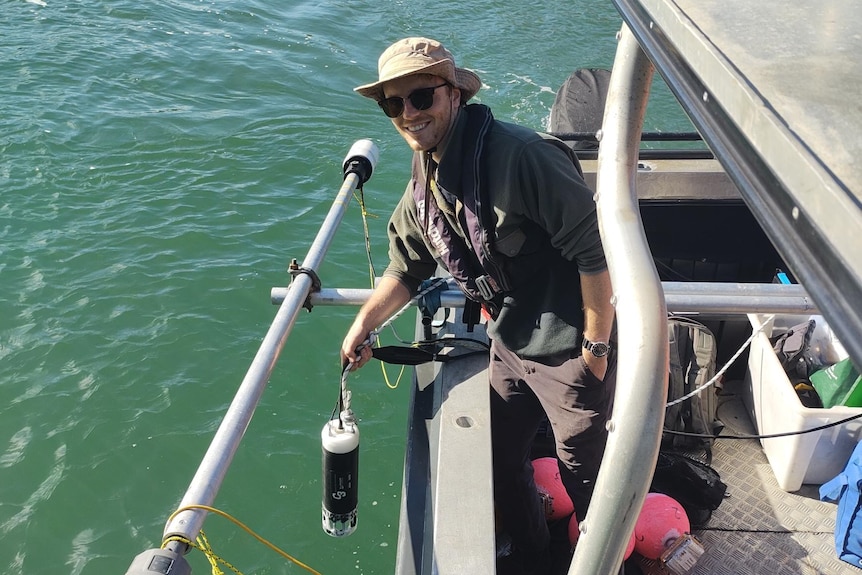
<point>421,99</point>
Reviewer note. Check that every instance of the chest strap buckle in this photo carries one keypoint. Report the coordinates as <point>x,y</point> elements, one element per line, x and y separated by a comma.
<point>487,287</point>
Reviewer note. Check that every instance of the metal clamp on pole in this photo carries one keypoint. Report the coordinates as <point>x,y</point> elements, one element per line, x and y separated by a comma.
<point>294,269</point>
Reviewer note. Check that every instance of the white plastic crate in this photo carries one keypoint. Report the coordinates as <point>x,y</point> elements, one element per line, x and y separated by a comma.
<point>810,458</point>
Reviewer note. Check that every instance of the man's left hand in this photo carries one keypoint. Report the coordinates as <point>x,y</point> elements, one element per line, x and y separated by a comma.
<point>598,366</point>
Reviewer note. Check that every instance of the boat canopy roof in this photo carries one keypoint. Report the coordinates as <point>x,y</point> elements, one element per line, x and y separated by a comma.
<point>774,88</point>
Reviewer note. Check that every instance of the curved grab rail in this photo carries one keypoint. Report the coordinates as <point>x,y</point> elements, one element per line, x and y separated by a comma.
<point>635,426</point>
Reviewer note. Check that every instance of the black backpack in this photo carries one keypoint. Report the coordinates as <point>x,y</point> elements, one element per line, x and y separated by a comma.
<point>692,363</point>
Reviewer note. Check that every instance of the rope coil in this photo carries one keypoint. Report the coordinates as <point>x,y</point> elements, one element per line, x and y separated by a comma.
<point>204,546</point>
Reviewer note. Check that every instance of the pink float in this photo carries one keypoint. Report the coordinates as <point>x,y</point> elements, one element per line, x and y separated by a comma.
<point>575,533</point>
<point>661,521</point>
<point>555,498</point>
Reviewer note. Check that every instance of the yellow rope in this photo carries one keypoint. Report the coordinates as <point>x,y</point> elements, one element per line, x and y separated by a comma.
<point>203,544</point>
<point>386,376</point>
<point>210,554</point>
<point>204,547</point>
<point>361,201</point>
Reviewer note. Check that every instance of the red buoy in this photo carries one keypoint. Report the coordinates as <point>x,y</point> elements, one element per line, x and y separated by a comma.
<point>575,533</point>
<point>662,521</point>
<point>555,498</point>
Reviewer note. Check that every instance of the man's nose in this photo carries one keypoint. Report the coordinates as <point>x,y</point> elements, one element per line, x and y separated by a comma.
<point>409,108</point>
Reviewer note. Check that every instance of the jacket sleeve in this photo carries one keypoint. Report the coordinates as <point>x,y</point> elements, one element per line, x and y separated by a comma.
<point>410,261</point>
<point>561,203</point>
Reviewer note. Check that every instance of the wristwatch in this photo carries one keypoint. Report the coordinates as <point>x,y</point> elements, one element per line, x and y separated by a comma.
<point>597,348</point>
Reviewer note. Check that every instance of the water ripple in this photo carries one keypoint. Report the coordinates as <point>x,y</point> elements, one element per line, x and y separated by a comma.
<point>82,552</point>
<point>17,445</point>
<point>42,493</point>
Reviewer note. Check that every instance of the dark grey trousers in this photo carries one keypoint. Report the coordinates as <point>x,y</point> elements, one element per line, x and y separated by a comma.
<point>577,405</point>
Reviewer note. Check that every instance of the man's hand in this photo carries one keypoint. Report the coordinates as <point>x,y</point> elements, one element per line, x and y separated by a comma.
<point>598,366</point>
<point>356,347</point>
<point>388,297</point>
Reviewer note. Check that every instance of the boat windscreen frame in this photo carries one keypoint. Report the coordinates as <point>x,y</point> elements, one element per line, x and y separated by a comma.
<point>825,258</point>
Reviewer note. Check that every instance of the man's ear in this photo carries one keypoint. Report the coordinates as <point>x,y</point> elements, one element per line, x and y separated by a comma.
<point>456,96</point>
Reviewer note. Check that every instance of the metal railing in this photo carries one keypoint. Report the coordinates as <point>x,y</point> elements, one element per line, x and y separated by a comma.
<point>186,525</point>
<point>702,298</point>
<point>641,388</point>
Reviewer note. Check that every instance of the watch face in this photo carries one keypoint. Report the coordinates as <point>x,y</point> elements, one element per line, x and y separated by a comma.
<point>599,349</point>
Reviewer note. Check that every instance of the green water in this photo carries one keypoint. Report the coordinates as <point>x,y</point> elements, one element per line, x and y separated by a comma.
<point>160,164</point>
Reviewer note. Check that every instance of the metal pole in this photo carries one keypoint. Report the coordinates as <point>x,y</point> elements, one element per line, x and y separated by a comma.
<point>680,297</point>
<point>635,427</point>
<point>213,467</point>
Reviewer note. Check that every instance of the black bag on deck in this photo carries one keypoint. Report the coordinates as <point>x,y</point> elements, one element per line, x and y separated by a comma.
<point>692,364</point>
<point>696,485</point>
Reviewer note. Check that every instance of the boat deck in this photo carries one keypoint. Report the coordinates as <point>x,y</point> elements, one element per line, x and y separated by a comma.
<point>759,528</point>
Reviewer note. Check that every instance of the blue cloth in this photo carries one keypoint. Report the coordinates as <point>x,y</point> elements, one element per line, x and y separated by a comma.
<point>845,489</point>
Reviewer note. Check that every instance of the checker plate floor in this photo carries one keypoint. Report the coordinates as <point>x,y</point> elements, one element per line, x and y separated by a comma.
<point>760,529</point>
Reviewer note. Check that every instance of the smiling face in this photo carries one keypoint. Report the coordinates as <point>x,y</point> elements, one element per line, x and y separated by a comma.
<point>424,129</point>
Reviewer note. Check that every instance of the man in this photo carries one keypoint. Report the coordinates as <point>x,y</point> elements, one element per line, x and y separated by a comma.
<point>507,212</point>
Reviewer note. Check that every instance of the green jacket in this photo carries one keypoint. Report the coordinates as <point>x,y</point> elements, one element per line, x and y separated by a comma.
<point>546,227</point>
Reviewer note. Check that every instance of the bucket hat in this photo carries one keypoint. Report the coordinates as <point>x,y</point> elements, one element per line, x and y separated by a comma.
<point>420,56</point>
